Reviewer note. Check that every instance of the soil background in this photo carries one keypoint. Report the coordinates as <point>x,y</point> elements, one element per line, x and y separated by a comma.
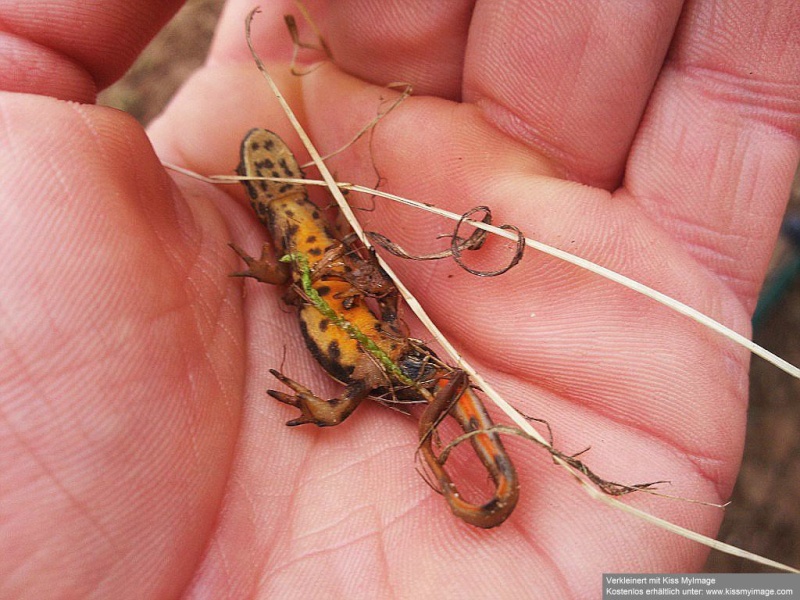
<point>764,515</point>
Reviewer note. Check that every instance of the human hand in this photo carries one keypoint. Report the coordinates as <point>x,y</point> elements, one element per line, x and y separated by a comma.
<point>141,452</point>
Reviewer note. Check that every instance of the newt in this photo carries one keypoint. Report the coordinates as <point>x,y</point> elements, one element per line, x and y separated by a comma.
<point>347,308</point>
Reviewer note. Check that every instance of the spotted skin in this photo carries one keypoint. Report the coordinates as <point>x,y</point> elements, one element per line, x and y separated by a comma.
<point>344,280</point>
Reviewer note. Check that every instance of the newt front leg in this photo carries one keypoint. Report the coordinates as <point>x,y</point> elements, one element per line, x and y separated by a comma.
<point>265,269</point>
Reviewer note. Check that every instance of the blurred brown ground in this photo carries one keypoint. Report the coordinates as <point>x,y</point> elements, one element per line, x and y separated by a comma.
<point>179,49</point>
<point>764,516</point>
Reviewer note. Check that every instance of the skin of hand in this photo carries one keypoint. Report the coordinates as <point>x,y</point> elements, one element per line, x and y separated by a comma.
<point>140,454</point>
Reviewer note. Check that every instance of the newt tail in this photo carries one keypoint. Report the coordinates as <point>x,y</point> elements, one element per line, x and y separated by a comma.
<point>470,413</point>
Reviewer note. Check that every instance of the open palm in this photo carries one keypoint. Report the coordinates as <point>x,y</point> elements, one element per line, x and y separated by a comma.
<point>140,454</point>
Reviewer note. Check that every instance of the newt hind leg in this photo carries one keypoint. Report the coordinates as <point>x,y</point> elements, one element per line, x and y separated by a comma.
<point>316,410</point>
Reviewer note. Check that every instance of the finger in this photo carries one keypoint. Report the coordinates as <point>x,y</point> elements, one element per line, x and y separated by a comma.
<point>234,99</point>
<point>116,316</point>
<point>718,147</point>
<point>569,79</point>
<point>68,51</point>
<point>418,42</point>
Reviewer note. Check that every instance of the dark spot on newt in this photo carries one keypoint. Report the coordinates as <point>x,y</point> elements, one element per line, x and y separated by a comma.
<point>323,324</point>
<point>323,290</point>
<point>334,352</point>
<point>503,464</point>
<point>336,369</point>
